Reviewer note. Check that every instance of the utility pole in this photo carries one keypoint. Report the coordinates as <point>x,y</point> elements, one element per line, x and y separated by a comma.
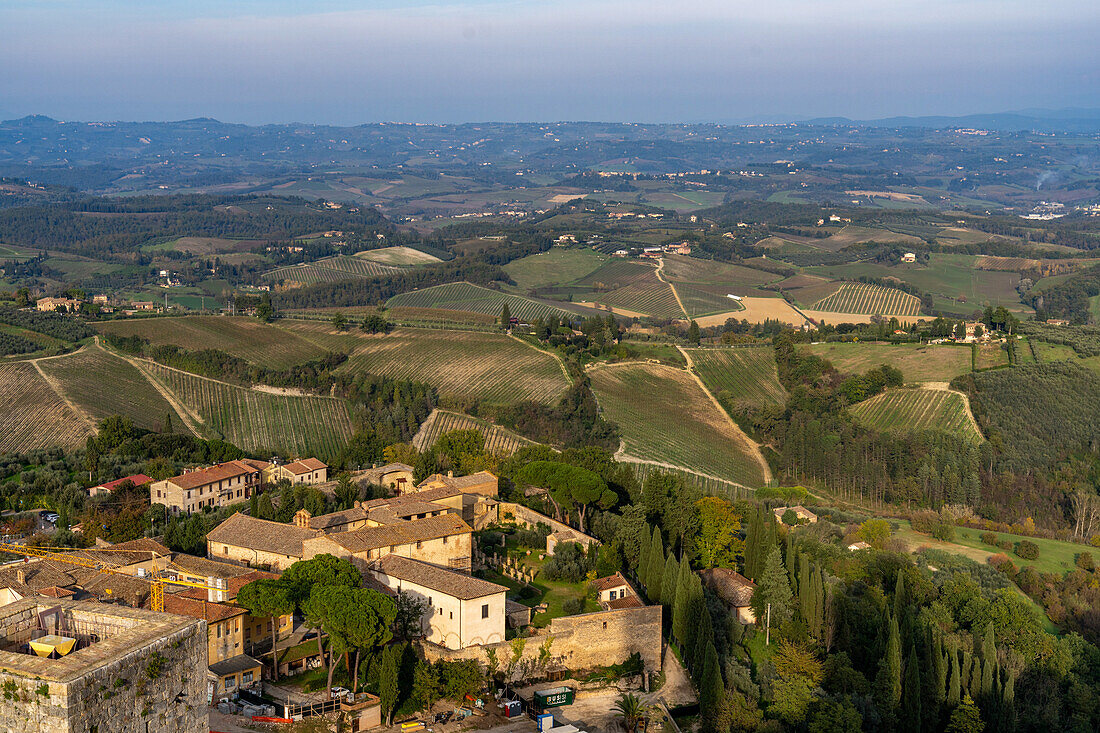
<point>768,627</point>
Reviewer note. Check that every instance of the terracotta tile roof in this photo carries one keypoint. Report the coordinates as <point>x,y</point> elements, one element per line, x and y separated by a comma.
<point>400,533</point>
<point>730,585</point>
<point>144,545</point>
<point>200,608</point>
<point>304,466</point>
<point>456,585</point>
<point>241,530</point>
<point>37,574</point>
<point>204,476</point>
<point>258,465</point>
<point>138,479</point>
<point>611,581</point>
<point>631,601</point>
<point>459,482</point>
<point>112,586</point>
<point>335,519</point>
<point>54,592</point>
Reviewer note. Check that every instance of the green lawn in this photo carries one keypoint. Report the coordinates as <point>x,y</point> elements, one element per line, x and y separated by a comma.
<point>1055,556</point>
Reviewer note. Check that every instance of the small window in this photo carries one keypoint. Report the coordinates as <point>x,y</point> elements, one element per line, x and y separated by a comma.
<point>225,550</point>
<point>452,615</point>
<point>430,601</point>
<point>419,544</point>
<point>246,678</point>
<point>441,611</point>
<point>485,610</point>
<point>605,624</point>
<point>444,539</point>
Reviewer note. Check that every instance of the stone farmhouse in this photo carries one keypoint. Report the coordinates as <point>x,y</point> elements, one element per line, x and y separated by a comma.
<point>217,486</point>
<point>734,589</point>
<point>462,610</point>
<point>803,514</point>
<point>303,471</point>
<point>397,477</point>
<point>50,305</point>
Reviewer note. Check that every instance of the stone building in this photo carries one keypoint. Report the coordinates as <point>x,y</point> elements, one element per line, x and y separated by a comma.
<point>462,611</point>
<point>216,486</point>
<point>734,589</point>
<point>125,671</point>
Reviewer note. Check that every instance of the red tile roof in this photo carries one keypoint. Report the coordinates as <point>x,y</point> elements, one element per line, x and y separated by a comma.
<point>220,472</point>
<point>202,609</point>
<point>611,581</point>
<point>138,479</point>
<point>631,601</point>
<point>305,466</point>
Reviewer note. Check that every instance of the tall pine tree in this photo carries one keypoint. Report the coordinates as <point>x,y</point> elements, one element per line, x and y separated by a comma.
<point>888,681</point>
<point>771,601</point>
<point>681,602</point>
<point>655,573</point>
<point>911,694</point>
<point>668,584</point>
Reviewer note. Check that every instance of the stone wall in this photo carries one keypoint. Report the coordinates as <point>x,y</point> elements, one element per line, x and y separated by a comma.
<point>528,517</point>
<point>148,673</point>
<point>577,642</point>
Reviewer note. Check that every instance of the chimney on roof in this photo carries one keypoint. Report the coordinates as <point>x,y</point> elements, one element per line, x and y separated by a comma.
<point>215,592</point>
<point>21,576</point>
<point>301,518</point>
<point>450,474</point>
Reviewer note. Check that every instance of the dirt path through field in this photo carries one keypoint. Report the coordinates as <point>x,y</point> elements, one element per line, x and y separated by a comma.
<point>561,364</point>
<point>748,442</point>
<point>658,271</point>
<point>946,387</point>
<point>189,419</point>
<point>60,392</point>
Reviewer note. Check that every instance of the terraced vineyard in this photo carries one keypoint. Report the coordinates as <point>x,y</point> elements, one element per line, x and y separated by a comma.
<point>330,269</point>
<point>498,440</point>
<point>84,377</point>
<point>34,415</point>
<point>616,273</point>
<point>664,416</point>
<point>288,425</point>
<point>709,486</point>
<point>868,299</point>
<point>914,410</point>
<point>470,298</point>
<point>747,374</point>
<point>489,366</point>
<point>247,338</point>
<point>699,302</point>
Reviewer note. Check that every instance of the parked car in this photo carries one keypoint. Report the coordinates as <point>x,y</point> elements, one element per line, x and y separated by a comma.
<point>339,692</point>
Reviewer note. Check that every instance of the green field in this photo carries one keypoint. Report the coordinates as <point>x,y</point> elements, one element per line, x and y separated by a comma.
<point>253,420</point>
<point>1054,556</point>
<point>953,279</point>
<point>103,384</point>
<point>398,256</point>
<point>748,375</point>
<point>868,299</point>
<point>469,298</point>
<point>717,278</point>
<point>917,362</point>
<point>991,355</point>
<point>664,416</point>
<point>330,269</point>
<point>916,410</point>
<point>248,338</point>
<point>555,267</point>
<point>499,441</point>
<point>615,273</point>
<point>34,415</point>
<point>484,365</point>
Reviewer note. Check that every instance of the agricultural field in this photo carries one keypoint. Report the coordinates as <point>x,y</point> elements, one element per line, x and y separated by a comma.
<point>990,355</point>
<point>468,298</point>
<point>499,441</point>
<point>330,269</point>
<point>718,278</point>
<point>34,415</point>
<point>953,280</point>
<point>707,485</point>
<point>758,310</point>
<point>863,298</point>
<point>917,362</point>
<point>915,410</point>
<point>648,296</point>
<point>484,365</point>
<point>398,256</point>
<point>558,266</point>
<point>253,420</point>
<point>615,273</point>
<point>83,377</point>
<point>247,338</point>
<point>664,416</point>
<point>748,374</point>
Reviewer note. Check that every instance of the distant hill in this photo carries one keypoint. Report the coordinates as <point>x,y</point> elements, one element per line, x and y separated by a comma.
<point>1028,120</point>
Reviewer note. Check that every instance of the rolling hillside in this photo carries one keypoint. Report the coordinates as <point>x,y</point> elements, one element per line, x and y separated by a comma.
<point>915,410</point>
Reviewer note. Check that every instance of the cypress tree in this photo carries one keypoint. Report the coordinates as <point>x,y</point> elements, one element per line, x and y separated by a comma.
<point>790,554</point>
<point>805,592</point>
<point>704,640</point>
<point>656,571</point>
<point>752,545</point>
<point>911,708</point>
<point>819,603</point>
<point>899,596</point>
<point>668,583</point>
<point>939,670</point>
<point>711,687</point>
<point>1008,705</point>
<point>954,678</point>
<point>888,681</point>
<point>692,632</point>
<point>505,317</point>
<point>975,686</point>
<point>642,560</point>
<point>774,590</point>
<point>681,603</point>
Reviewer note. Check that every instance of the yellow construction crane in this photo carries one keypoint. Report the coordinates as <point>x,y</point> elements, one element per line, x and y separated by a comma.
<point>61,554</point>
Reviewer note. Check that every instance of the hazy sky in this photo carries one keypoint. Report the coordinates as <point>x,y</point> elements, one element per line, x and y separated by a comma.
<point>344,62</point>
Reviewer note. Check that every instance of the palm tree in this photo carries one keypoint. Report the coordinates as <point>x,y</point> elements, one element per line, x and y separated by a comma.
<point>630,710</point>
